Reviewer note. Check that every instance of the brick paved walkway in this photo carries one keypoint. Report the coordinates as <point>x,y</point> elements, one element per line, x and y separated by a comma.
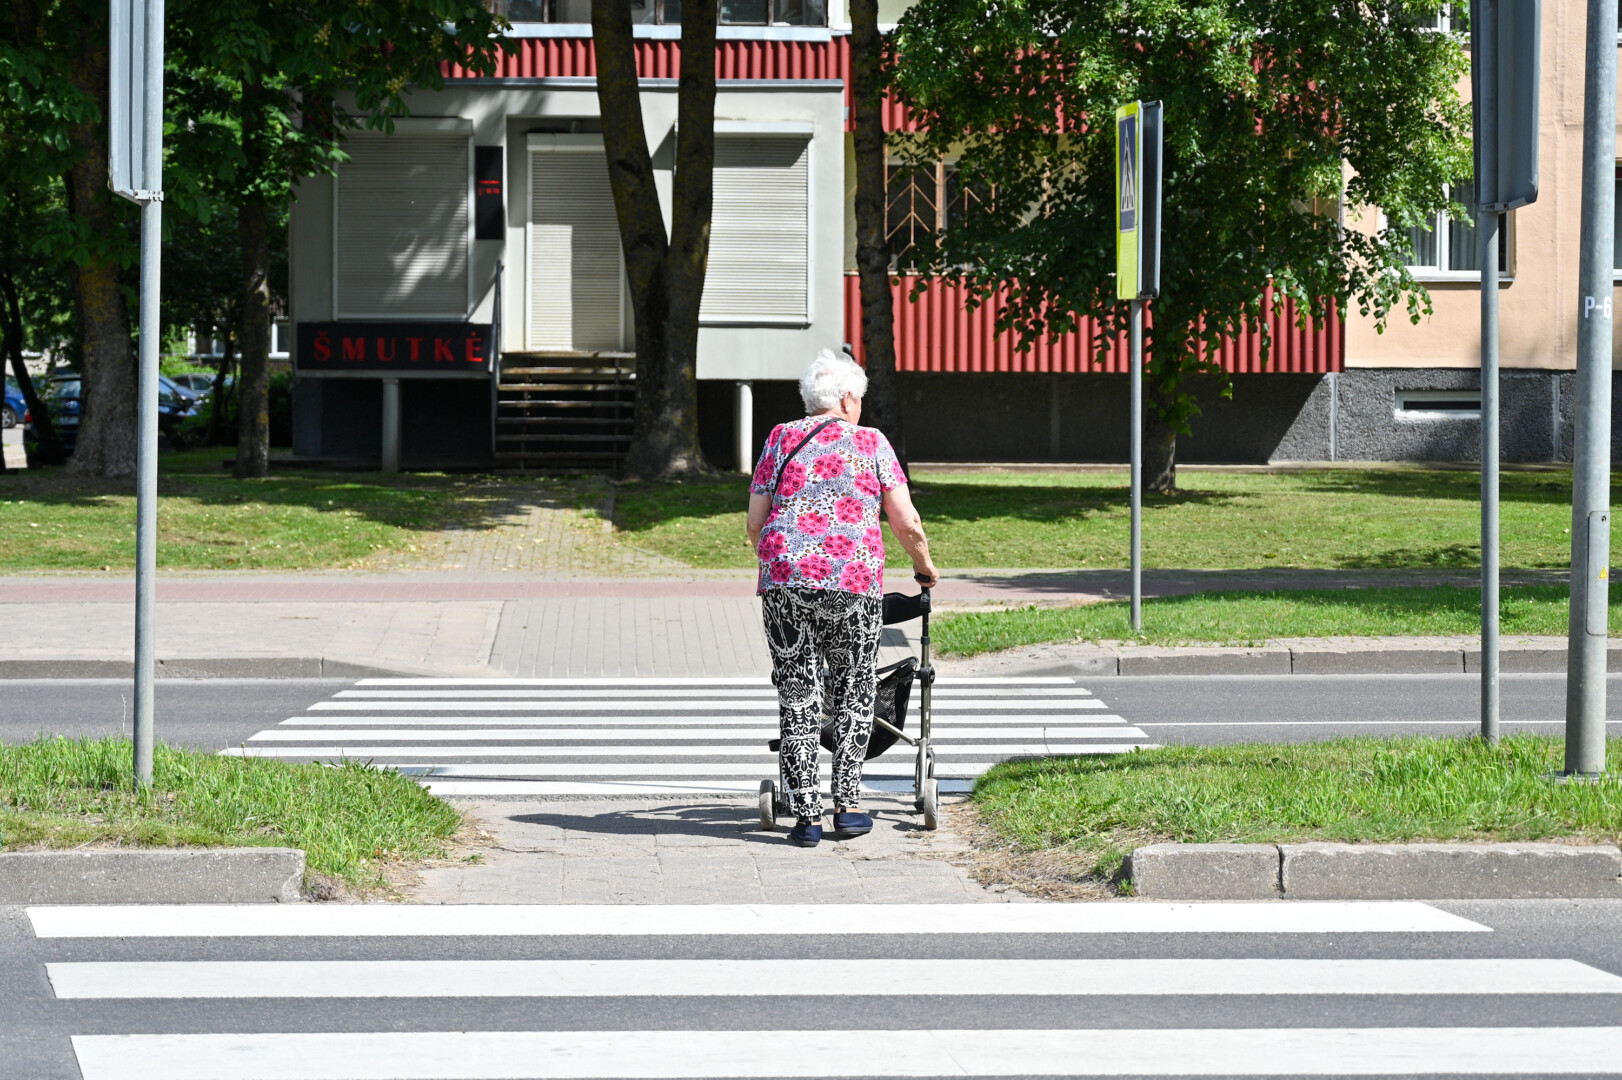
<point>557,529</point>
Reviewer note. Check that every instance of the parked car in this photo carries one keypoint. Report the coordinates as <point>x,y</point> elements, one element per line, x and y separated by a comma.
<point>198,383</point>
<point>14,407</point>
<point>62,398</point>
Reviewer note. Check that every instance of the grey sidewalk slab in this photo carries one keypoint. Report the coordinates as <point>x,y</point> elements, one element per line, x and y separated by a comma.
<point>622,851</point>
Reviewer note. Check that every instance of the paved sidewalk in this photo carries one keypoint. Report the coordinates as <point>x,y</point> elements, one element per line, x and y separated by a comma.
<point>659,852</point>
<point>518,625</point>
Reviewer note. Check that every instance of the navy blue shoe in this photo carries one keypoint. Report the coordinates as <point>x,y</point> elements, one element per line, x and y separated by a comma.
<point>851,823</point>
<point>806,833</point>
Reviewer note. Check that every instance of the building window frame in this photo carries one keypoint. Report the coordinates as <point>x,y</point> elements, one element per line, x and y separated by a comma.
<point>943,193</point>
<point>1440,225</point>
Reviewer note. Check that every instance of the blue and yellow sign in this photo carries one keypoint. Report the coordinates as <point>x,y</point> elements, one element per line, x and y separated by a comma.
<point>1128,186</point>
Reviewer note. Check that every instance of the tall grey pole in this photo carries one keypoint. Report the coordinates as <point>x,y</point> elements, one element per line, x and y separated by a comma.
<point>1486,135</point>
<point>1591,467</point>
<point>1137,464</point>
<point>146,489</point>
<point>1488,228</point>
<point>146,459</point>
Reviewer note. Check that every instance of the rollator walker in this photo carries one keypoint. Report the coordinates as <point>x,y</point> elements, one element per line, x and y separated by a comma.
<point>889,719</point>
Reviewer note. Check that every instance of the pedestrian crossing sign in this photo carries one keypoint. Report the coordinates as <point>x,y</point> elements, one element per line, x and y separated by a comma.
<point>1137,200</point>
<point>1128,155</point>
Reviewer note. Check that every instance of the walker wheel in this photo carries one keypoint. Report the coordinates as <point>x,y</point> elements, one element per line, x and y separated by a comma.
<point>932,804</point>
<point>768,805</point>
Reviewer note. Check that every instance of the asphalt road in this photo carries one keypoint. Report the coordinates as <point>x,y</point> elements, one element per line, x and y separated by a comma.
<point>215,713</point>
<point>205,714</point>
<point>1295,992</point>
<point>1298,708</point>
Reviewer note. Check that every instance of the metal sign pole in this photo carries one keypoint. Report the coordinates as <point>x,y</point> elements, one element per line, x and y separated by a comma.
<point>1489,474</point>
<point>1505,38</point>
<point>1138,139</point>
<point>1137,466</point>
<point>1591,467</point>
<point>1484,25</point>
<point>135,160</point>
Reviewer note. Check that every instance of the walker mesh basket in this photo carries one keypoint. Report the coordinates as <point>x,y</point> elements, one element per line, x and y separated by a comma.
<point>889,704</point>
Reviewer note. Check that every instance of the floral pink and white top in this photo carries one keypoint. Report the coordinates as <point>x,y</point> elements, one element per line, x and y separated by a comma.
<point>823,532</point>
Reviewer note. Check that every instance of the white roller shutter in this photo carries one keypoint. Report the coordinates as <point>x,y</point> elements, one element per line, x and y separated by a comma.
<point>576,297</point>
<point>760,231</point>
<point>402,229</point>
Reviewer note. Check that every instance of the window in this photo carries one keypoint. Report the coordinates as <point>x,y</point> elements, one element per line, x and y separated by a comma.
<point>1447,17</point>
<point>668,12</point>
<point>1439,404</point>
<point>760,231</point>
<point>1616,227</point>
<point>1447,245</point>
<point>403,224</point>
<point>922,200</point>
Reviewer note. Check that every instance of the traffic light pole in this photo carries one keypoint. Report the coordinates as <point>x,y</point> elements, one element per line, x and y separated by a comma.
<point>1591,465</point>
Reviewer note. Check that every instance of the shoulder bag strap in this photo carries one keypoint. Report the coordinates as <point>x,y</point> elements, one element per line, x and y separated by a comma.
<point>783,465</point>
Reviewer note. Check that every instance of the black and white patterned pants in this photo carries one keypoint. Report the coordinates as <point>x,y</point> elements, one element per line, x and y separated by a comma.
<point>825,647</point>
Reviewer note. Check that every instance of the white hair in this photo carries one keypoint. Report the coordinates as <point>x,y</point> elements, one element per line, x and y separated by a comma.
<point>829,378</point>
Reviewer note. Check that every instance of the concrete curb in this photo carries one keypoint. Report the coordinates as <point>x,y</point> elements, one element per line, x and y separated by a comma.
<point>224,667</point>
<point>1342,656</point>
<point>1375,871</point>
<point>153,876</point>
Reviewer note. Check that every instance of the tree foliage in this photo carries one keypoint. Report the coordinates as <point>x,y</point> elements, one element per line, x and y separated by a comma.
<point>1280,115</point>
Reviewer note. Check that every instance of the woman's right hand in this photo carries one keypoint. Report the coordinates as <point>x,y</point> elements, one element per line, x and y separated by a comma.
<point>926,575</point>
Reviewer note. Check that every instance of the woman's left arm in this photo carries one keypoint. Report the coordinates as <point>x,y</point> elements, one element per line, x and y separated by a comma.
<point>760,508</point>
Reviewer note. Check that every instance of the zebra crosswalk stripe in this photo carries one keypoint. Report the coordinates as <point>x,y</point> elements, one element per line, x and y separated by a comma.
<point>664,920</point>
<point>333,992</point>
<point>687,737</point>
<point>575,1055</point>
<point>827,978</point>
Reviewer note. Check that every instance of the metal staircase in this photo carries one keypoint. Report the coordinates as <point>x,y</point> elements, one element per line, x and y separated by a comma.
<point>561,413</point>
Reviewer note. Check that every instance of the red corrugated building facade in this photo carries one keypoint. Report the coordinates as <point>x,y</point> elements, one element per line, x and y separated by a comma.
<point>936,332</point>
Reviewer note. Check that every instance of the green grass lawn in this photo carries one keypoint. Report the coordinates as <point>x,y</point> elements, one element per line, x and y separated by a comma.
<point>1248,618</point>
<point>1332,518</point>
<point>207,520</point>
<point>1371,789</point>
<point>63,793</point>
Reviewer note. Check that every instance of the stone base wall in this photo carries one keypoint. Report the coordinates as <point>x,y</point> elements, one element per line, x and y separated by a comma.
<point>1350,416</point>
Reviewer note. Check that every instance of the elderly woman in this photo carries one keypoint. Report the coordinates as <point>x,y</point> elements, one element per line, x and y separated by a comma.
<point>814,523</point>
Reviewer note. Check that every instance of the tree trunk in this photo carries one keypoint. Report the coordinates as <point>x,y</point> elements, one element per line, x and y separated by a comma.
<point>692,202</point>
<point>883,404</point>
<point>1159,444</point>
<point>253,385</point>
<point>107,420</point>
<point>665,309</point>
<point>50,446</point>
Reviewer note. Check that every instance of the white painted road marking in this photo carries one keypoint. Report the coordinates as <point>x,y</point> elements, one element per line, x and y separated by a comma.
<point>526,1055</point>
<point>589,727</point>
<point>942,724</point>
<point>658,920</point>
<point>705,706</point>
<point>827,978</point>
<point>451,753</point>
<point>644,734</point>
<point>701,680</point>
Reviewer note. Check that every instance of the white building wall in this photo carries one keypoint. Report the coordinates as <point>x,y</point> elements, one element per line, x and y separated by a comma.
<point>504,111</point>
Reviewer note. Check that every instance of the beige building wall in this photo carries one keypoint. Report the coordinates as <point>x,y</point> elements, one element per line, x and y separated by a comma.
<point>1539,306</point>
